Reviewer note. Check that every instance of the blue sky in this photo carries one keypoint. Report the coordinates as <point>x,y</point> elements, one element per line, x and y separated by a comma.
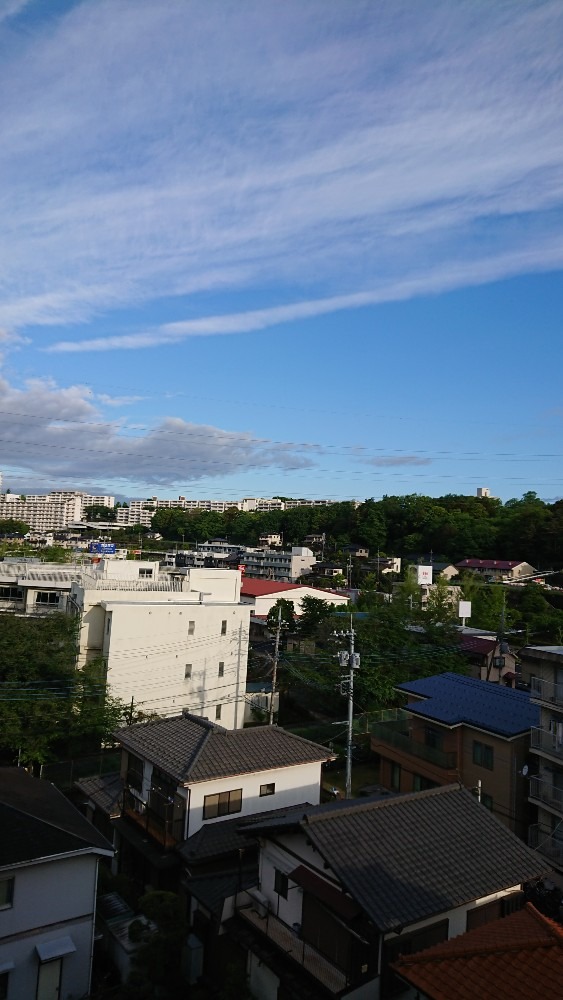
<point>253,248</point>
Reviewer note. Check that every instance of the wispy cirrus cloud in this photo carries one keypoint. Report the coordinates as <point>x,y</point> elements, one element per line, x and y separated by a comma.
<point>319,154</point>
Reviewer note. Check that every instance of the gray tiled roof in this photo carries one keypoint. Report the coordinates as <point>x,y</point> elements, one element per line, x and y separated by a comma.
<point>37,821</point>
<point>191,749</point>
<point>105,790</point>
<point>222,837</point>
<point>407,858</point>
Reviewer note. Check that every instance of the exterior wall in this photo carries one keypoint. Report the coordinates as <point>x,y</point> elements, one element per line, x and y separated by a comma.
<point>543,669</point>
<point>262,605</point>
<point>41,912</point>
<point>49,511</point>
<point>148,647</point>
<point>294,785</point>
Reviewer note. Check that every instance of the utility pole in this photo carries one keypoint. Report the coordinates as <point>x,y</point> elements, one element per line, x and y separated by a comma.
<point>349,658</point>
<point>275,667</point>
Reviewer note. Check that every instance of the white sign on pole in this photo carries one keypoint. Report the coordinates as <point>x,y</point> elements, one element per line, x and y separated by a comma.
<point>464,609</point>
<point>424,575</point>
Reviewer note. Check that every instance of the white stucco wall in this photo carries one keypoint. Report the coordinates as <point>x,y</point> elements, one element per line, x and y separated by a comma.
<point>52,900</point>
<point>300,783</point>
<point>262,605</point>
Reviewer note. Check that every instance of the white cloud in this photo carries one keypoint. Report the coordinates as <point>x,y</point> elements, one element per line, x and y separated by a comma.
<point>323,153</point>
<point>60,433</point>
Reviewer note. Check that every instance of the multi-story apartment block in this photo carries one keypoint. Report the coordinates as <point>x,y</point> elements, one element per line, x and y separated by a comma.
<point>50,511</point>
<point>142,511</point>
<point>169,643</point>
<point>542,666</point>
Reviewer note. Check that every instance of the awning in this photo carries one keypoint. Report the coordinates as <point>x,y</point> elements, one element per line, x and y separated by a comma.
<point>326,893</point>
<point>48,950</point>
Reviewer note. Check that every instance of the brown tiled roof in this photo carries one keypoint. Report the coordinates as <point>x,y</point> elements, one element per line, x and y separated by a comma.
<point>519,957</point>
<point>406,858</point>
<point>191,749</point>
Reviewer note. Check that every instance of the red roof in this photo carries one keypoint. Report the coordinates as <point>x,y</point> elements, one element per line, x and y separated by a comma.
<point>515,958</point>
<point>261,588</point>
<point>489,563</point>
<point>477,644</point>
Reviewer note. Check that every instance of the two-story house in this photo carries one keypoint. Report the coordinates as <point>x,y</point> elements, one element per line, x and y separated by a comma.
<point>49,857</point>
<point>542,667</point>
<point>347,888</point>
<point>183,773</point>
<point>458,728</point>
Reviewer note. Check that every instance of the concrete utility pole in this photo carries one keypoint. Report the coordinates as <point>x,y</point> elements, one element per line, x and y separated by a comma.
<point>275,667</point>
<point>349,658</point>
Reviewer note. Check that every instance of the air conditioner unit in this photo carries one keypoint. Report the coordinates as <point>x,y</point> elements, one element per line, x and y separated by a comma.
<point>260,903</point>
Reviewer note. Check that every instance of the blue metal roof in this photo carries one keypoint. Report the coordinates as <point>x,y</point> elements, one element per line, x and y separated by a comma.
<point>454,699</point>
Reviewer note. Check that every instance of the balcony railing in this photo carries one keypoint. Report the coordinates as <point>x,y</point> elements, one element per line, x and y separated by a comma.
<point>542,790</point>
<point>548,741</point>
<point>546,691</point>
<point>396,734</point>
<point>543,841</point>
<point>332,978</point>
<point>157,823</point>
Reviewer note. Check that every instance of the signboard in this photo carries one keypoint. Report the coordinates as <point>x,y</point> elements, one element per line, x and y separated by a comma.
<point>424,575</point>
<point>242,568</point>
<point>464,609</point>
<point>102,548</point>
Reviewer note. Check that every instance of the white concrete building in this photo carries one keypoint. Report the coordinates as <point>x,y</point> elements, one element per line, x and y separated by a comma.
<point>48,871</point>
<point>50,511</point>
<point>169,643</point>
<point>261,595</point>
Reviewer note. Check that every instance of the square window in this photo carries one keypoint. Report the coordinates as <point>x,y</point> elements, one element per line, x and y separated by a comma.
<point>483,755</point>
<point>487,801</point>
<point>6,893</point>
<point>224,627</point>
<point>281,883</point>
<point>188,671</point>
<point>217,711</point>
<point>222,804</point>
<point>269,789</point>
<point>191,628</point>
<point>221,671</point>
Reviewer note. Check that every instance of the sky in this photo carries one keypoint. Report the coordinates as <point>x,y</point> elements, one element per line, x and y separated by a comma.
<point>253,248</point>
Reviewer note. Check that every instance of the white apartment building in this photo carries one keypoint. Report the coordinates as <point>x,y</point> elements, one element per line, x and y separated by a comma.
<point>169,643</point>
<point>49,511</point>
<point>142,511</point>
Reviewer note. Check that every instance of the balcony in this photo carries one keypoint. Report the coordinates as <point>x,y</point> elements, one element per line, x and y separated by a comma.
<point>396,735</point>
<point>542,840</point>
<point>159,823</point>
<point>544,792</point>
<point>332,978</point>
<point>546,691</point>
<point>548,742</point>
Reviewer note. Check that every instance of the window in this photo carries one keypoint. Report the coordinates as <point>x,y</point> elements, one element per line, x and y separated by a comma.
<point>145,574</point>
<point>268,789</point>
<point>420,783</point>
<point>6,893</point>
<point>188,671</point>
<point>281,883</point>
<point>217,711</point>
<point>396,777</point>
<point>222,804</point>
<point>191,628</point>
<point>10,594</point>
<point>224,627</point>
<point>108,624</point>
<point>134,772</point>
<point>46,597</point>
<point>487,801</point>
<point>221,671</point>
<point>433,737</point>
<point>483,755</point>
<point>4,985</point>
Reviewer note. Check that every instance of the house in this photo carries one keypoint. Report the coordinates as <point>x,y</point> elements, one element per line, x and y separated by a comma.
<point>461,728</point>
<point>490,657</point>
<point>497,570</point>
<point>169,643</point>
<point>261,595</point>
<point>356,551</point>
<point>183,773</point>
<point>542,666</point>
<point>519,956</point>
<point>346,888</point>
<point>273,539</point>
<point>330,569</point>
<point>48,869</point>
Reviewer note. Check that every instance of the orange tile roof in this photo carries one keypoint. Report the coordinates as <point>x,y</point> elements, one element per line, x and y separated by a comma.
<point>519,957</point>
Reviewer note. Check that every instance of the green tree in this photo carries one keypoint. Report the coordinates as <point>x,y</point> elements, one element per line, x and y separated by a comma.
<point>11,526</point>
<point>287,615</point>
<point>98,512</point>
<point>314,613</point>
<point>157,969</point>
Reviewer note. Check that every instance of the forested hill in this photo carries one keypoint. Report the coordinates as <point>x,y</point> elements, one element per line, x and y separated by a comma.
<point>452,527</point>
